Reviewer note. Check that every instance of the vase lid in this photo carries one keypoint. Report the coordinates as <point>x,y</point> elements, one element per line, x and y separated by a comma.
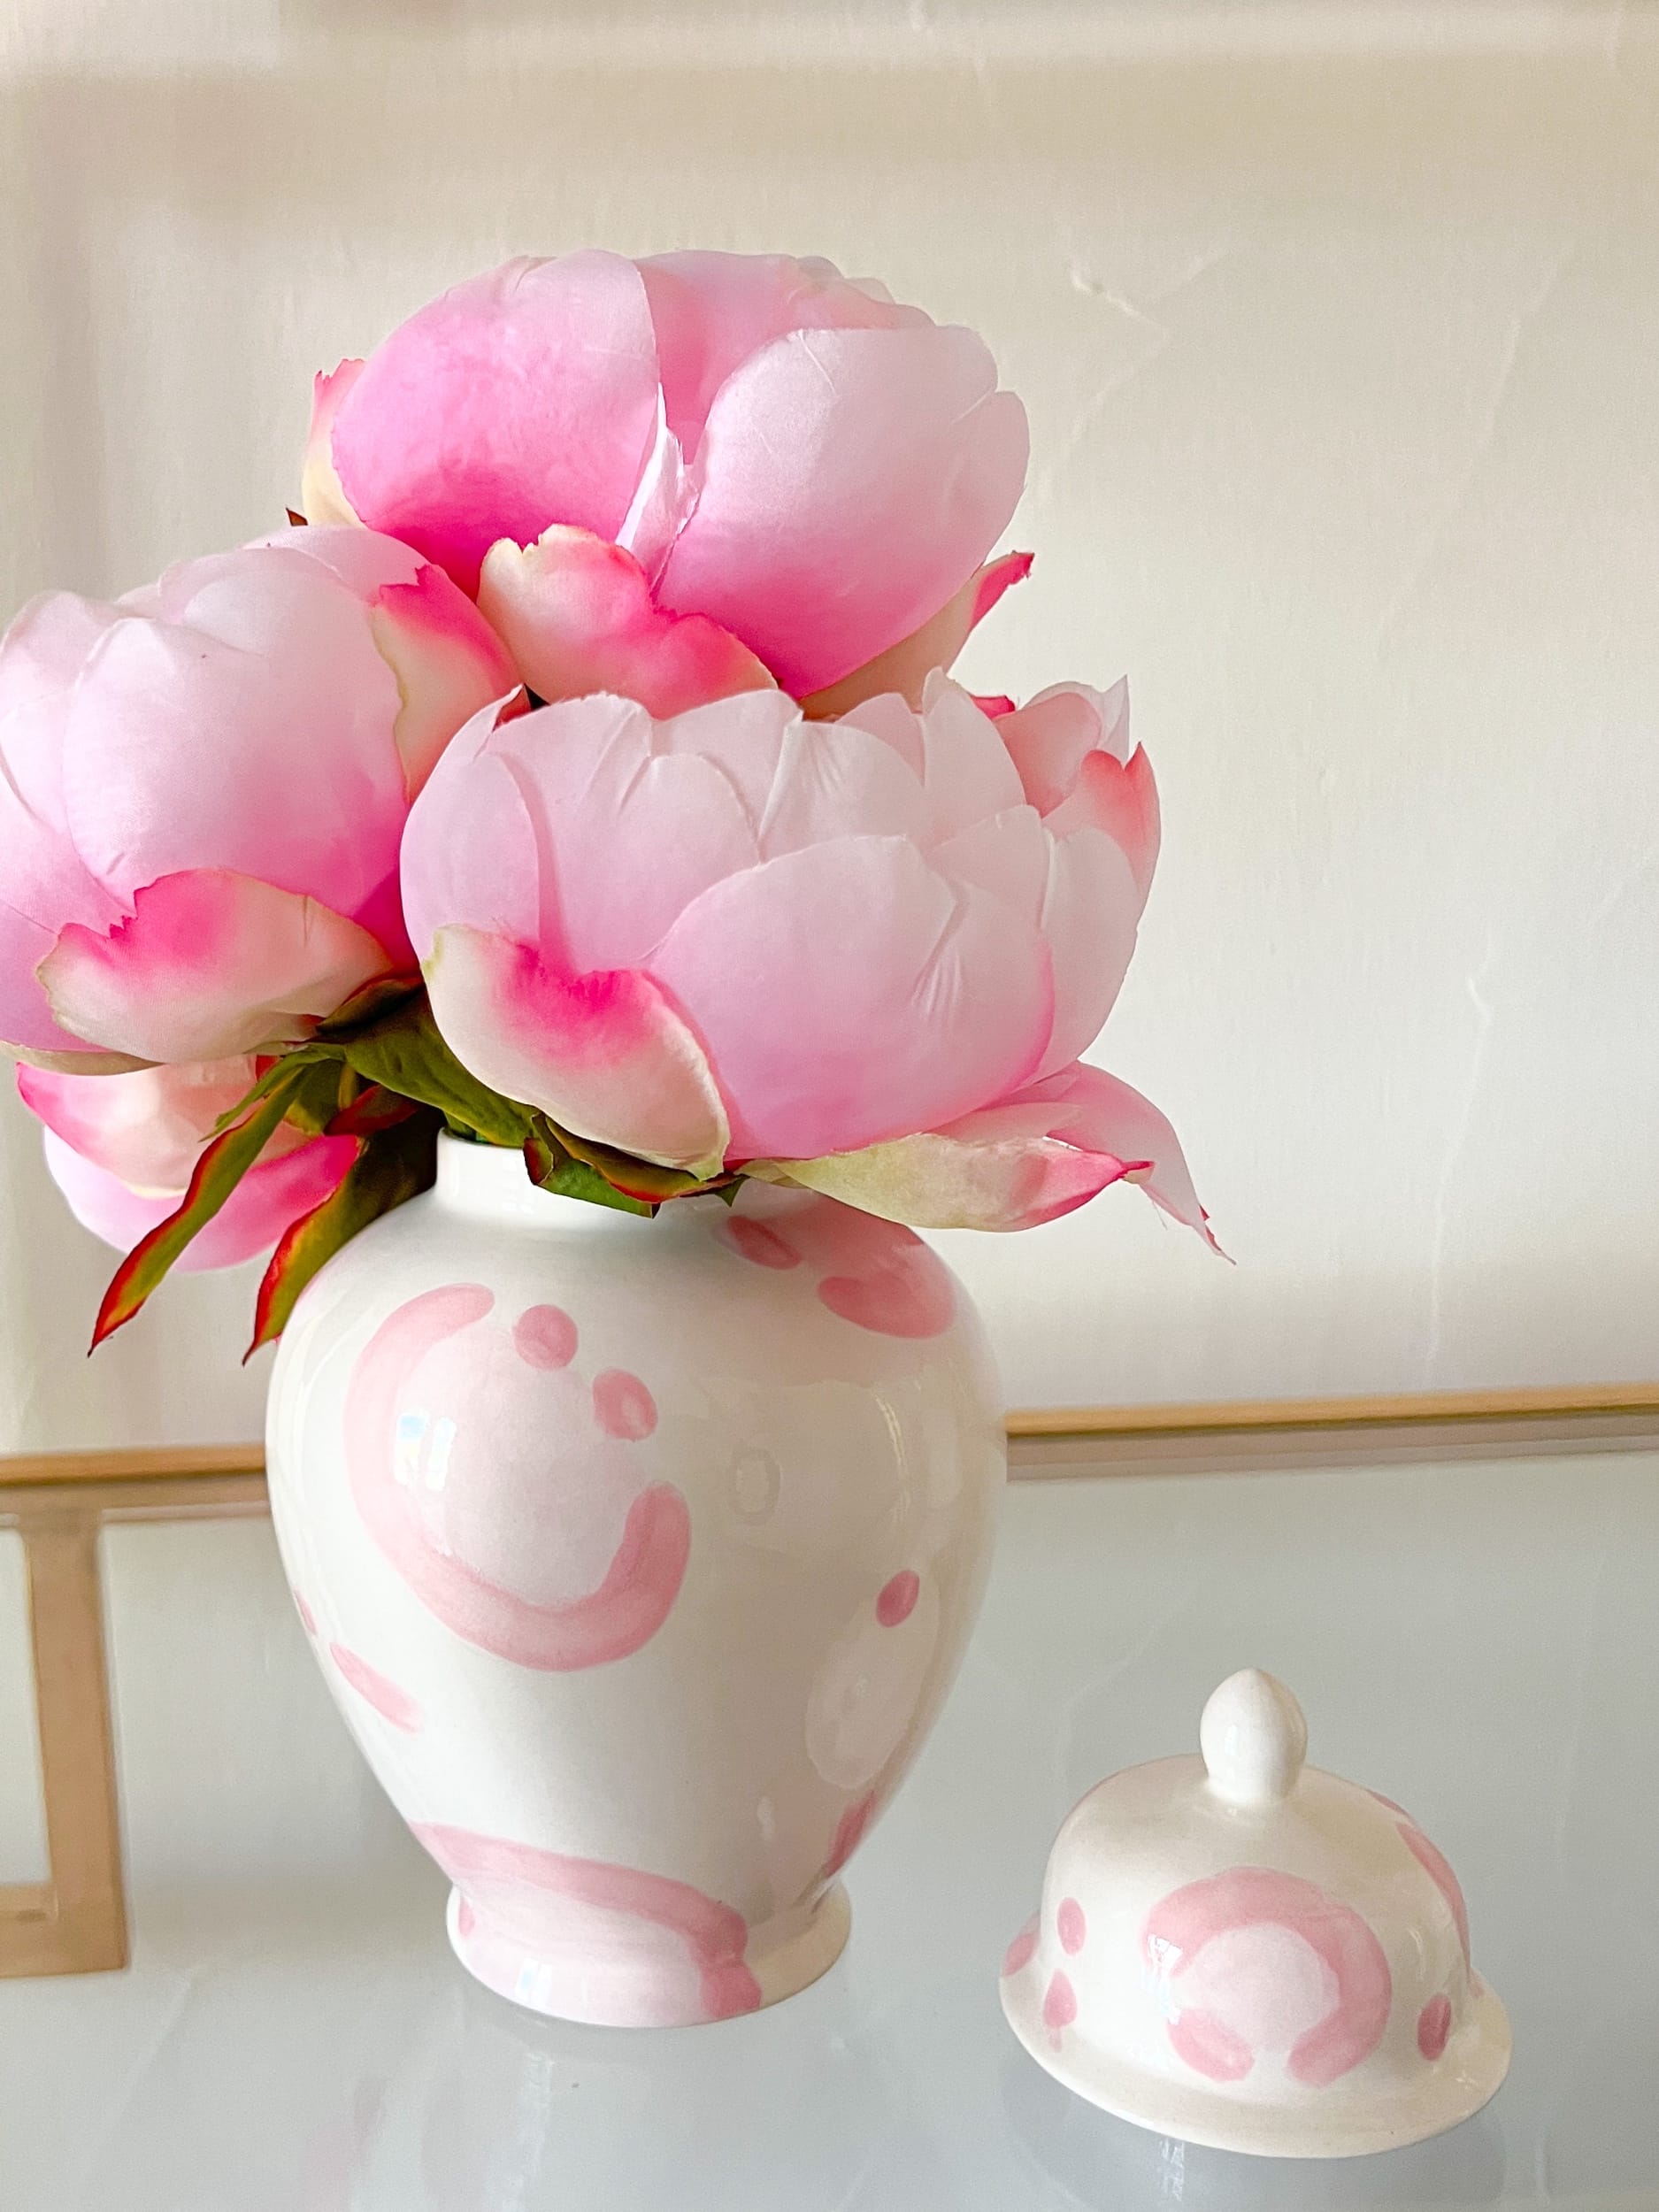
<point>1242,1951</point>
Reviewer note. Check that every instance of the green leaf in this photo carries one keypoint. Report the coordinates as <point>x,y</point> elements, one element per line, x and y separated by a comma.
<point>404,1052</point>
<point>369,1003</point>
<point>396,1162</point>
<point>224,1160</point>
<point>551,1168</point>
<point>280,1074</point>
<point>370,1111</point>
<point>635,1178</point>
<point>320,1091</point>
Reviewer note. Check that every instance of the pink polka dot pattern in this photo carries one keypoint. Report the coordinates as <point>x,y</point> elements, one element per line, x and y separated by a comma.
<point>395,1434</point>
<point>755,1241</point>
<point>563,1910</point>
<point>1059,2004</point>
<point>1434,2025</point>
<point>1180,1928</point>
<point>1071,1926</point>
<point>308,1619</point>
<point>378,1690</point>
<point>850,1834</point>
<point>1021,1951</point>
<point>897,1600</point>
<point>909,1296</point>
<point>622,1406</point>
<point>544,1336</point>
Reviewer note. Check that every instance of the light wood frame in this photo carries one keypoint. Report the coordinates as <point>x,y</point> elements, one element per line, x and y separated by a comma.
<point>75,1922</point>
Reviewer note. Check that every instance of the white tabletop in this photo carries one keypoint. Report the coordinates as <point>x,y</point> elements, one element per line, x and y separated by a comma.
<point>1481,1642</point>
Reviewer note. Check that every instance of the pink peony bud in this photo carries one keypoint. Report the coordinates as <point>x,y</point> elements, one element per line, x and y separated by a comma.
<point>202,788</point>
<point>741,935</point>
<point>809,471</point>
<point>122,1149</point>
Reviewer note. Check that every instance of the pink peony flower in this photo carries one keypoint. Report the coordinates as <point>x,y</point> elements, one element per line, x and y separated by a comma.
<point>741,935</point>
<point>122,1149</point>
<point>700,474</point>
<point>202,788</point>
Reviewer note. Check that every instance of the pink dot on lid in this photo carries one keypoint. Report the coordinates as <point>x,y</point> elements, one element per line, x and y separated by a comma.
<point>1059,2006</point>
<point>897,1600</point>
<point>754,1242</point>
<point>544,1336</point>
<point>308,1619</point>
<point>622,1406</point>
<point>1021,1951</point>
<point>1434,2025</point>
<point>1071,1926</point>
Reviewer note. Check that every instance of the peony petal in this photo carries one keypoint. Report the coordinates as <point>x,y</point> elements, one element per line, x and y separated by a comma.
<point>1120,798</point>
<point>448,664</point>
<point>212,964</point>
<point>576,614</point>
<point>521,398</point>
<point>322,498</point>
<point>1050,737</point>
<point>146,1128</point>
<point>605,1056</point>
<point>1040,1155</point>
<point>851,483</point>
<point>636,818</point>
<point>246,726</point>
<point>966,767</point>
<point>846,993</point>
<point>1009,854</point>
<point>43,882</point>
<point>1090,911</point>
<point>831,776</point>
<point>712,311</point>
<point>1090,1109</point>
<point>906,666</point>
<point>471,852</point>
<point>271,1195</point>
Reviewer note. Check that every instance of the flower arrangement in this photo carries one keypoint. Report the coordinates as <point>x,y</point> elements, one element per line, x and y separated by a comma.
<point>580,772</point>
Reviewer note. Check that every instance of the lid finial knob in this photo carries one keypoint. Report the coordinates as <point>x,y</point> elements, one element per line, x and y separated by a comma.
<point>1254,1739</point>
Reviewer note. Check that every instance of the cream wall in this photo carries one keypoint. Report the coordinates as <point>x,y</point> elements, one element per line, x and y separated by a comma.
<point>1339,332</point>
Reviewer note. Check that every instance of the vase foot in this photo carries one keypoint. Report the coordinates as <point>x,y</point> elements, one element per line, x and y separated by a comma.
<point>654,1975</point>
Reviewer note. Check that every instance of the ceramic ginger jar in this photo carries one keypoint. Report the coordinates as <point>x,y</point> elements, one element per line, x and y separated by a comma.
<point>639,1556</point>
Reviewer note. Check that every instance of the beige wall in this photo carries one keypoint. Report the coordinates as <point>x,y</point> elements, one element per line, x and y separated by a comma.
<point>1339,333</point>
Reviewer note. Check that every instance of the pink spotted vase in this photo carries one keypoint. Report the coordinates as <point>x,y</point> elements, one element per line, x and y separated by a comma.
<point>639,1556</point>
<point>1244,1952</point>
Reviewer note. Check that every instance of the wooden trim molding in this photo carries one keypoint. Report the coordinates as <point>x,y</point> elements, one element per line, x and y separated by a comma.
<point>75,1922</point>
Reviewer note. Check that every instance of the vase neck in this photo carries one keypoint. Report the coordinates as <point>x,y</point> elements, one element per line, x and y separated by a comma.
<point>490,1180</point>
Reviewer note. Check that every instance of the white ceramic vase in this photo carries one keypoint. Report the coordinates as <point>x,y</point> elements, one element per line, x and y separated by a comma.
<point>639,1556</point>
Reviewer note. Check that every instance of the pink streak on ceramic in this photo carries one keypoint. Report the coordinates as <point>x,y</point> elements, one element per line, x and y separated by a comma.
<point>909,1296</point>
<point>1179,1927</point>
<point>754,1242</point>
<point>1390,1803</point>
<point>544,1336</point>
<point>378,1690</point>
<point>622,1406</point>
<point>850,1834</point>
<point>714,1934</point>
<point>308,1619</point>
<point>621,1615</point>
<point>1022,1950</point>
<point>1070,1926</point>
<point>1059,2005</point>
<point>1434,2025</point>
<point>897,1600</point>
<point>1434,1864</point>
<point>1210,2048</point>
